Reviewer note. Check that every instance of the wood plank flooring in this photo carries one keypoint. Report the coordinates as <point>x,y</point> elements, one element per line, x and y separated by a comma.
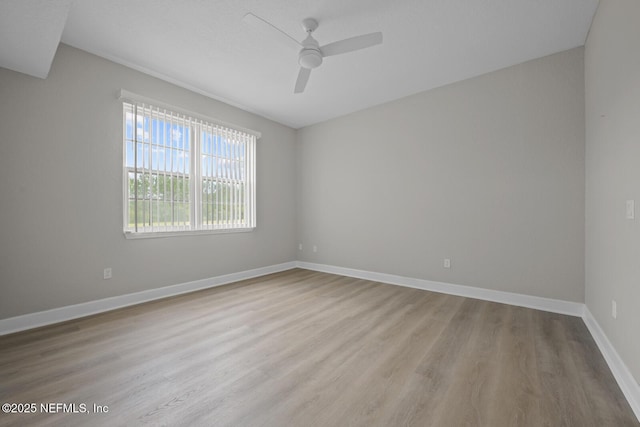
<point>302,348</point>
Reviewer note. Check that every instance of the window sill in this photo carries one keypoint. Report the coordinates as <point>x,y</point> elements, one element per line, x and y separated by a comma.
<point>161,234</point>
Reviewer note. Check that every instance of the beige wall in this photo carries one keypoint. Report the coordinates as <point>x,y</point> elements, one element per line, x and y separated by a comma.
<point>61,191</point>
<point>488,172</point>
<point>612,81</point>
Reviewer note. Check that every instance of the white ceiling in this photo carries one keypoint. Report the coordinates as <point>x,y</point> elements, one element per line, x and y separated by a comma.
<point>30,31</point>
<point>205,46</point>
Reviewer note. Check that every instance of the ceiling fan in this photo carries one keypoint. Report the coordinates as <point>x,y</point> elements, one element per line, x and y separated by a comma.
<point>311,53</point>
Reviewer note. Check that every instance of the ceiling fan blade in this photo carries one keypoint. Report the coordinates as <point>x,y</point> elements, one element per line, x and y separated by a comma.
<point>303,78</point>
<point>271,30</point>
<point>351,44</point>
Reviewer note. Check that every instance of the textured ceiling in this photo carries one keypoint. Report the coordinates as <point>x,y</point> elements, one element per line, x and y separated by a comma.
<point>204,45</point>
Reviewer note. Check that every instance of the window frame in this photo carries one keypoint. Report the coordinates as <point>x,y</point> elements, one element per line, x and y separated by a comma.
<point>198,125</point>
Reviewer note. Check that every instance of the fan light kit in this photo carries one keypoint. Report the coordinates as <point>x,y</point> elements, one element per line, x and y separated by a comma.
<point>311,54</point>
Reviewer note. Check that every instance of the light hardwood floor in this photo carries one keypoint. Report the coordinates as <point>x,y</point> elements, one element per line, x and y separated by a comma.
<point>302,348</point>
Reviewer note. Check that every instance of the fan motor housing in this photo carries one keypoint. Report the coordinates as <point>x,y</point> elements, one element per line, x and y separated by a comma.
<point>310,58</point>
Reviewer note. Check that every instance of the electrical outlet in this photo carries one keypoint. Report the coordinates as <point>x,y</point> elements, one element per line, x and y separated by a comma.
<point>447,263</point>
<point>107,273</point>
<point>299,246</point>
<point>315,248</point>
<point>614,309</point>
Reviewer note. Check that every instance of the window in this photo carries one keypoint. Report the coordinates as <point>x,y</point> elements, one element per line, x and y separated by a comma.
<point>183,173</point>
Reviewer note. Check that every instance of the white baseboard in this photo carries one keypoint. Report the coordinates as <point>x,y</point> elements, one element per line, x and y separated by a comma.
<point>538,303</point>
<point>623,376</point>
<point>56,315</point>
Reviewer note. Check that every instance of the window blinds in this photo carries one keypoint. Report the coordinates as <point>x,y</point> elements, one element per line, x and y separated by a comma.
<point>183,173</point>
